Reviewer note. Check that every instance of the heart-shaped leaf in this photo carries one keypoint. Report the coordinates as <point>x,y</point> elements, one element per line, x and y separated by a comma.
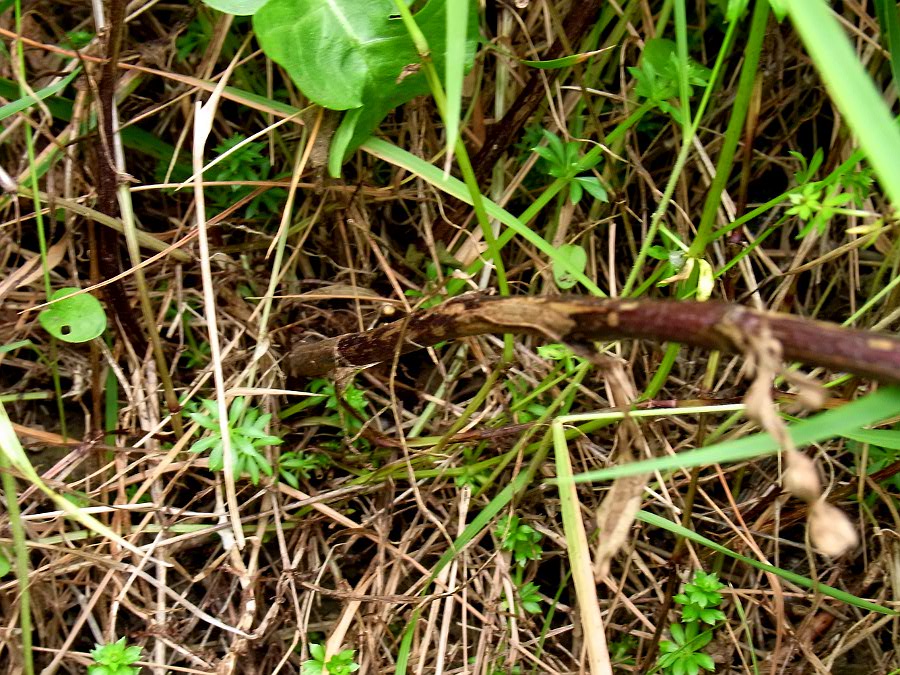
<point>346,54</point>
<point>79,318</point>
<point>336,50</point>
<point>577,258</point>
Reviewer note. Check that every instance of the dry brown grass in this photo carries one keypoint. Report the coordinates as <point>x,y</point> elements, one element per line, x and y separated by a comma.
<point>348,556</point>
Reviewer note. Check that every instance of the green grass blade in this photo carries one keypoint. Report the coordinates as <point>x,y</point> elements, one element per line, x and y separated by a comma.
<point>15,455</point>
<point>454,68</point>
<point>9,446</point>
<point>851,88</point>
<point>456,188</point>
<point>794,578</point>
<point>889,21</point>
<point>578,553</point>
<point>883,438</point>
<point>871,409</point>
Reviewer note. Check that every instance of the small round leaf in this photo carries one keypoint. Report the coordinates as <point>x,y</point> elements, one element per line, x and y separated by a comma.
<point>73,319</point>
<point>576,257</point>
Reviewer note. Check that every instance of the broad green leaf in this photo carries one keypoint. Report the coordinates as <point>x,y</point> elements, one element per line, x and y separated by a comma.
<point>73,319</point>
<point>576,258</point>
<point>658,53</point>
<point>236,7</point>
<point>345,54</point>
<point>779,8</point>
<point>4,565</point>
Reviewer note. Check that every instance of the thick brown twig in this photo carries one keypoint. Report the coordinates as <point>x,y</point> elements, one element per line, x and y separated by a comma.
<point>711,325</point>
<point>107,183</point>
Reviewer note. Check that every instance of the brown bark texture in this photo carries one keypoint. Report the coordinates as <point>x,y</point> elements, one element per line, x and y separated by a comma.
<point>579,320</point>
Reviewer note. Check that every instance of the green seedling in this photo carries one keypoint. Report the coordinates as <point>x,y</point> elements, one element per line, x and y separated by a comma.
<point>529,598</point>
<point>683,655</point>
<point>115,658</point>
<point>339,664</point>
<point>77,39</point>
<point>506,670</point>
<point>701,598</point>
<point>352,396</point>
<point>816,203</point>
<point>297,464</point>
<point>473,475</point>
<point>525,406</point>
<point>556,351</point>
<point>431,289</point>
<point>522,540</point>
<point>247,432</point>
<point>622,650</point>
<point>564,160</point>
<point>659,74</point>
<point>196,37</point>
<point>247,163</point>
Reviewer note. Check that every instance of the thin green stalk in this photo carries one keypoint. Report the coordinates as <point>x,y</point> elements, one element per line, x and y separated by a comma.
<point>483,520</point>
<point>129,224</point>
<point>682,51</point>
<point>723,168</point>
<point>563,402</point>
<point>734,129</point>
<point>459,361</point>
<point>662,373</point>
<point>462,159</point>
<point>871,302</point>
<point>454,286</point>
<point>39,219</point>
<point>20,550</point>
<point>679,165</point>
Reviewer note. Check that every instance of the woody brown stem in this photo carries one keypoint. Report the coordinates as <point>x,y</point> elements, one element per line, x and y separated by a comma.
<point>107,182</point>
<point>709,325</point>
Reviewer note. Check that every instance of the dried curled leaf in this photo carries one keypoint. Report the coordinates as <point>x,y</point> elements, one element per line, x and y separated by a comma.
<point>615,517</point>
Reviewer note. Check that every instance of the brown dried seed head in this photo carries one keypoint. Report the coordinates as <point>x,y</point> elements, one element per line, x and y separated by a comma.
<point>830,530</point>
<point>801,478</point>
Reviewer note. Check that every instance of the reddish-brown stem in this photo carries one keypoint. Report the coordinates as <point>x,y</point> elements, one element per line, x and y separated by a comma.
<point>710,325</point>
<point>107,183</point>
